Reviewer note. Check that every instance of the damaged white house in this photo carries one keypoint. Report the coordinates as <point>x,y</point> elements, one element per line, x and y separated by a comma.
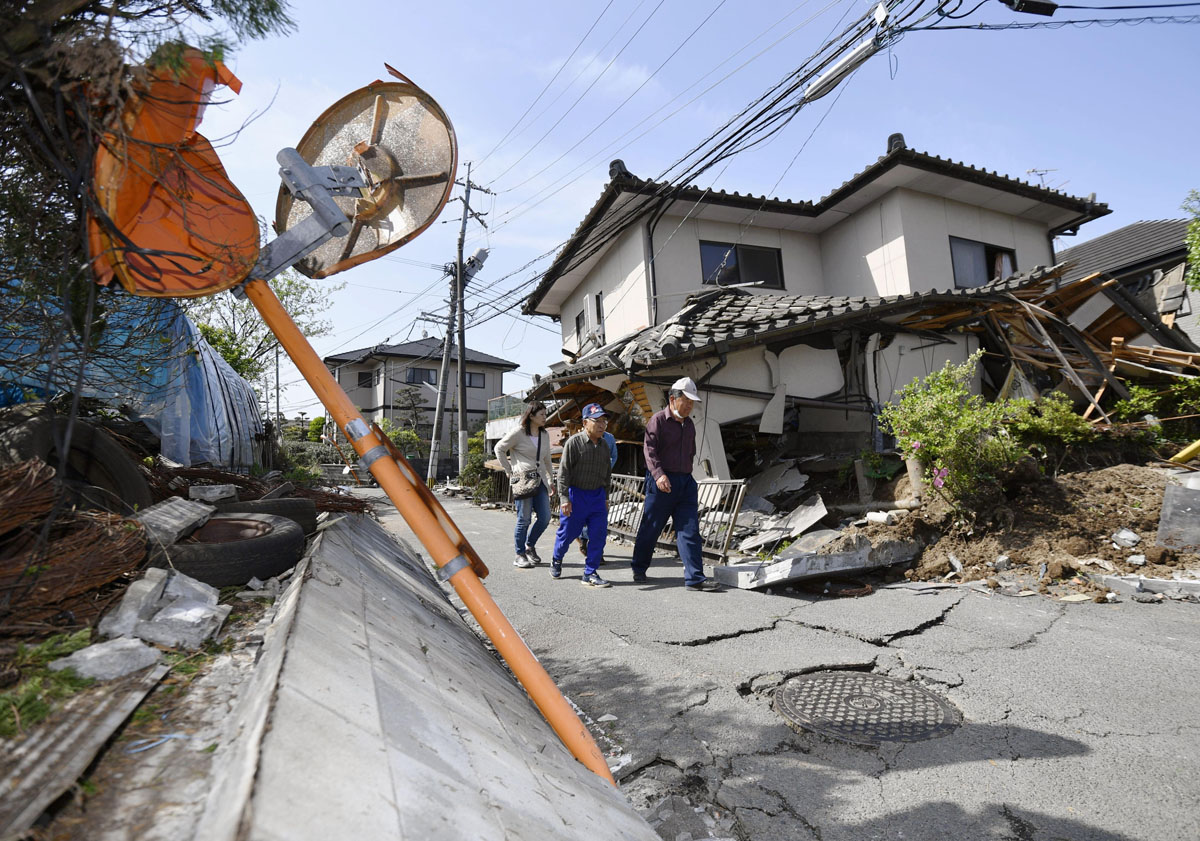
<point>792,316</point>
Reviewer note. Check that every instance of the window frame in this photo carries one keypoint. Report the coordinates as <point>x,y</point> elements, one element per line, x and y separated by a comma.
<point>740,249</point>
<point>366,379</point>
<point>413,376</point>
<point>990,253</point>
<point>471,376</point>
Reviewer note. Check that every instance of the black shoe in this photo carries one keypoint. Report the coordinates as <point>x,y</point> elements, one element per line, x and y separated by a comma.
<point>583,547</point>
<point>555,568</point>
<point>595,580</point>
<point>707,585</point>
<point>640,578</point>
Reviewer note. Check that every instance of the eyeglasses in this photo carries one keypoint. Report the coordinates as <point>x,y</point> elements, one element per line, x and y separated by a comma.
<point>600,419</point>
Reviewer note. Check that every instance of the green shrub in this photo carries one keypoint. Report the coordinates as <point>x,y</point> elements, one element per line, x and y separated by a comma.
<point>969,447</point>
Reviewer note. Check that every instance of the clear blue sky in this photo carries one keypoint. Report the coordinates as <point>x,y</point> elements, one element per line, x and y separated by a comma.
<point>1110,110</point>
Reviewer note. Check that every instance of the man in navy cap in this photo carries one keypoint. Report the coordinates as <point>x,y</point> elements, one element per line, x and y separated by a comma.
<point>671,490</point>
<point>584,472</point>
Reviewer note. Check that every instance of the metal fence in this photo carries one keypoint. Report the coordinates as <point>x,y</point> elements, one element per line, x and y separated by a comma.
<point>720,501</point>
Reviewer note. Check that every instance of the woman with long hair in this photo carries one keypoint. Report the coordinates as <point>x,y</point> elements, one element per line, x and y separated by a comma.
<point>524,450</point>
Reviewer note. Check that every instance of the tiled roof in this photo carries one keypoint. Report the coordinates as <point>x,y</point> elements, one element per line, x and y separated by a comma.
<point>625,183</point>
<point>721,319</point>
<point>1126,248</point>
<point>420,349</point>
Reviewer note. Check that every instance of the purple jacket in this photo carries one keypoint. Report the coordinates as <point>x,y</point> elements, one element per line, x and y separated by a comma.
<point>670,446</point>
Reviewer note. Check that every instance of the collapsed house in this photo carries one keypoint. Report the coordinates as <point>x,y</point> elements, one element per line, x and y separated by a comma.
<point>809,317</point>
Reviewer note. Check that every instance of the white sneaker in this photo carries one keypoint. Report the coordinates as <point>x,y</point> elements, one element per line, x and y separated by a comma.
<point>522,562</point>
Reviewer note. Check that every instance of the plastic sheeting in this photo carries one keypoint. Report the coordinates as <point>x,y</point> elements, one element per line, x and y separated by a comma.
<point>149,361</point>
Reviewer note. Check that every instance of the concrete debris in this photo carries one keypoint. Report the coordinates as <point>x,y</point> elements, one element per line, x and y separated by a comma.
<point>213,493</point>
<point>1136,560</point>
<point>168,608</point>
<point>772,530</point>
<point>777,479</point>
<point>141,601</point>
<point>607,717</point>
<point>1125,538</point>
<point>1178,525</point>
<point>862,556</point>
<point>279,492</point>
<point>109,660</point>
<point>183,624</point>
<point>809,542</point>
<point>750,502</point>
<point>886,518</point>
<point>1002,563</point>
<point>173,519</point>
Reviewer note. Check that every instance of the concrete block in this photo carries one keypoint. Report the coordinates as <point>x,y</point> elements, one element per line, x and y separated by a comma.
<point>110,660</point>
<point>1126,538</point>
<point>141,601</point>
<point>183,624</point>
<point>173,519</point>
<point>1131,584</point>
<point>811,565</point>
<point>181,587</point>
<point>213,493</point>
<point>280,491</point>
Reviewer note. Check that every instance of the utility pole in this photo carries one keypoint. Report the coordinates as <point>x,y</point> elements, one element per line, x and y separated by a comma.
<point>460,271</point>
<point>435,442</point>
<point>463,272</point>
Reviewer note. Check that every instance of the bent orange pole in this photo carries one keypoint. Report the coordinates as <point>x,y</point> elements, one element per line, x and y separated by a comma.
<point>424,523</point>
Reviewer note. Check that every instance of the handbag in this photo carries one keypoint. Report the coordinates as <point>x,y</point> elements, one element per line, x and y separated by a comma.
<point>526,484</point>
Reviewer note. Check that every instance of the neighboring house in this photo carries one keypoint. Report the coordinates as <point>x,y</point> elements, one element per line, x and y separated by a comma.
<point>910,222</point>
<point>377,380</point>
<point>1148,261</point>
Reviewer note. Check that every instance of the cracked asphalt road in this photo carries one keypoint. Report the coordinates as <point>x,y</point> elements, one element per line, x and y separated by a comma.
<point>1079,720</point>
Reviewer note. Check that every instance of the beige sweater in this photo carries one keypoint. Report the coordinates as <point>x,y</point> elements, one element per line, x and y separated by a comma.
<point>518,453</point>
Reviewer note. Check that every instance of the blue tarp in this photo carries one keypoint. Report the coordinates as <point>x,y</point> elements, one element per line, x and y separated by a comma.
<point>150,362</point>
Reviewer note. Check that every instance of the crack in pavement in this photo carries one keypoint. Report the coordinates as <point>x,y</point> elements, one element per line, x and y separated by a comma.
<point>881,641</point>
<point>1032,641</point>
<point>731,635</point>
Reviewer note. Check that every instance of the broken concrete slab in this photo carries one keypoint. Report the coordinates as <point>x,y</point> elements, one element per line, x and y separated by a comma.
<point>776,479</point>
<point>183,624</point>
<point>213,493</point>
<point>1126,538</point>
<point>806,515</point>
<point>1179,525</point>
<point>109,660</point>
<point>809,542</point>
<point>183,587</point>
<point>862,557</point>
<point>141,601</point>
<point>173,519</point>
<point>280,491</point>
<point>1129,585</point>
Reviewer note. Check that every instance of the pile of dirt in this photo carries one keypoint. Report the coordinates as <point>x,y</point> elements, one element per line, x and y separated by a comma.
<point>1048,533</point>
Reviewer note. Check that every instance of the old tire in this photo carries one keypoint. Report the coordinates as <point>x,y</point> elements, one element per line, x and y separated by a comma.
<point>230,549</point>
<point>303,512</point>
<point>95,458</point>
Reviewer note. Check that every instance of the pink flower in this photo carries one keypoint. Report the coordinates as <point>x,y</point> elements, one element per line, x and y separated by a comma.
<point>939,476</point>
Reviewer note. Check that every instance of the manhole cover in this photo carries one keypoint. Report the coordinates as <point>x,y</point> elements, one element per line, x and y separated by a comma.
<point>864,708</point>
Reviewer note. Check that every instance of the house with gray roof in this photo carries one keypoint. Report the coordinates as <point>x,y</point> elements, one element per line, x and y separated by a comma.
<point>792,315</point>
<point>1148,260</point>
<point>400,381</point>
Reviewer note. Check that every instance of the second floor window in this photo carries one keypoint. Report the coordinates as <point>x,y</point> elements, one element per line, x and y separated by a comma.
<point>977,263</point>
<point>366,379</point>
<point>421,375</point>
<point>474,380</point>
<point>728,264</point>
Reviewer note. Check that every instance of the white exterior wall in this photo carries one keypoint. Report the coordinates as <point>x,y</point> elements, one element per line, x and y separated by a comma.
<point>930,221</point>
<point>866,254</point>
<point>620,275</point>
<point>677,271</point>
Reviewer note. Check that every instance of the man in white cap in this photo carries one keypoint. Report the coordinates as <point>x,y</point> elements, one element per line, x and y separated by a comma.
<point>671,491</point>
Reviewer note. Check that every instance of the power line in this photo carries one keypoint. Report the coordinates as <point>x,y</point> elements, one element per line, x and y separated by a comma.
<point>542,93</point>
<point>582,95</point>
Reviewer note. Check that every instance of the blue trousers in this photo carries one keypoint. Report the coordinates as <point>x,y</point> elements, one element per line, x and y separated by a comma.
<point>587,508</point>
<point>538,504</point>
<point>682,507</point>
